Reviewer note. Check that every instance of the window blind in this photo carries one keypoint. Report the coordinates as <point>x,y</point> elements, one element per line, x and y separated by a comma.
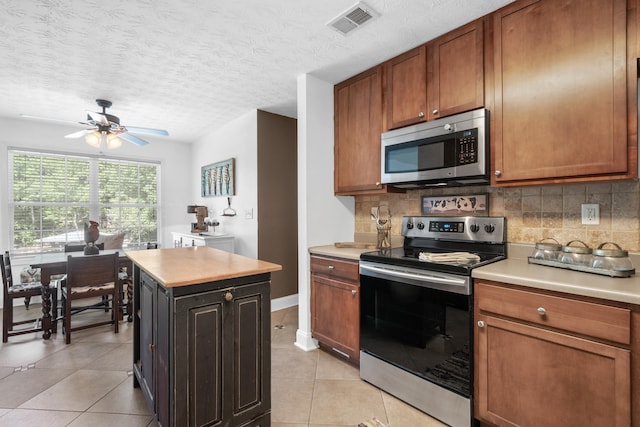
<point>53,195</point>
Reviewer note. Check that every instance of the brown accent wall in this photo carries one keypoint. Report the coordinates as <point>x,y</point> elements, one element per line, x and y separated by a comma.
<point>536,212</point>
<point>277,199</point>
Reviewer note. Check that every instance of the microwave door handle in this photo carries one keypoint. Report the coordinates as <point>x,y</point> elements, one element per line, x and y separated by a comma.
<point>414,276</point>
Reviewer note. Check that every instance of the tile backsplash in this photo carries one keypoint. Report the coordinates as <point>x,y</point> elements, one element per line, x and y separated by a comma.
<point>534,213</point>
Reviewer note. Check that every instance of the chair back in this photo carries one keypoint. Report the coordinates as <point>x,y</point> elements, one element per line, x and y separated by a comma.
<point>7,275</point>
<point>92,270</point>
<point>79,247</point>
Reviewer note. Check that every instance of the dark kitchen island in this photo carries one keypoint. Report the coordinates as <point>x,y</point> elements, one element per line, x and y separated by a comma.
<point>201,351</point>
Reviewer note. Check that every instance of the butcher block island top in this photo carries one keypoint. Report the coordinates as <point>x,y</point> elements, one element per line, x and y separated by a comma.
<point>173,267</point>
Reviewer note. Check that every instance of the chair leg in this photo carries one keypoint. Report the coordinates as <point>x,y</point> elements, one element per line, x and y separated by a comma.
<point>67,320</point>
<point>27,301</point>
<point>7,318</point>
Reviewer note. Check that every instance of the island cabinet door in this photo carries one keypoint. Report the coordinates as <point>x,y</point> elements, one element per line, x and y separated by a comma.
<point>147,322</point>
<point>222,358</point>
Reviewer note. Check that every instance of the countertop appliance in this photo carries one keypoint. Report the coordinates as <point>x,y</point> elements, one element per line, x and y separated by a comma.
<point>450,151</point>
<point>416,312</point>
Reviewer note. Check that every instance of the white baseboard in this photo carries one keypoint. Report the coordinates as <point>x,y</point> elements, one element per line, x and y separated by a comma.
<point>284,302</point>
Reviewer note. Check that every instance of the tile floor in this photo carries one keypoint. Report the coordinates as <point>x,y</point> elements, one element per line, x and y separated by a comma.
<point>89,383</point>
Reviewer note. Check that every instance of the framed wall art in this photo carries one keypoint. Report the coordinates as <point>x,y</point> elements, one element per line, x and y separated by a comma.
<point>218,179</point>
<point>474,205</point>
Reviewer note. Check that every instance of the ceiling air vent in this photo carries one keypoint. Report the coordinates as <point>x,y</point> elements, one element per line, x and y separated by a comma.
<point>352,18</point>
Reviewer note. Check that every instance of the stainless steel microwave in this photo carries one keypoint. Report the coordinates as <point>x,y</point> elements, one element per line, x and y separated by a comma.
<point>450,151</point>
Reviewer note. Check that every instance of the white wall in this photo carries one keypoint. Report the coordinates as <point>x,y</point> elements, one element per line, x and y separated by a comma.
<point>175,159</point>
<point>323,218</point>
<point>238,139</point>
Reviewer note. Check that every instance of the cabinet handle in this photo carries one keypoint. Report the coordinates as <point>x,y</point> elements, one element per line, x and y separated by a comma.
<point>480,324</point>
<point>497,173</point>
<point>152,347</point>
<point>435,112</point>
<point>228,296</point>
<point>420,114</point>
<point>331,267</point>
<point>354,292</point>
<point>377,184</point>
<point>541,311</point>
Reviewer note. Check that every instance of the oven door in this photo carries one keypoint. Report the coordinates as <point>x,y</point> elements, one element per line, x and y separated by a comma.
<point>418,321</point>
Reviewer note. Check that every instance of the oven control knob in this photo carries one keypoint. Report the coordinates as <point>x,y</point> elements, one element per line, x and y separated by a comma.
<point>489,228</point>
<point>421,226</point>
<point>409,225</point>
<point>448,127</point>
<point>475,228</point>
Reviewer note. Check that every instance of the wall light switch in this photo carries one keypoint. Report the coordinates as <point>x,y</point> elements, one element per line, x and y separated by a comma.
<point>591,214</point>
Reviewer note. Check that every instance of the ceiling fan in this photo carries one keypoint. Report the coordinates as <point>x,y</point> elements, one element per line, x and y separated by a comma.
<point>107,130</point>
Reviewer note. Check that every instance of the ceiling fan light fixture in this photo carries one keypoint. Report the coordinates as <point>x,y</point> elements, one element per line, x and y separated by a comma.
<point>113,141</point>
<point>94,139</point>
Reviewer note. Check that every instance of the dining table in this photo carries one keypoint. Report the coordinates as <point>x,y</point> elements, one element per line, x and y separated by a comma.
<point>55,263</point>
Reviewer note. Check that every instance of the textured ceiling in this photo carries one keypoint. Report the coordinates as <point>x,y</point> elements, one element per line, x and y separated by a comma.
<point>190,66</point>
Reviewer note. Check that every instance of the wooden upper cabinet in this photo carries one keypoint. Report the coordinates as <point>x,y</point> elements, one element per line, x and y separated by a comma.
<point>358,125</point>
<point>455,65</point>
<point>560,80</point>
<point>406,90</point>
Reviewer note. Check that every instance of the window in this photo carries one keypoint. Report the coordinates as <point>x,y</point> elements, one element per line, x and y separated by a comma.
<point>52,196</point>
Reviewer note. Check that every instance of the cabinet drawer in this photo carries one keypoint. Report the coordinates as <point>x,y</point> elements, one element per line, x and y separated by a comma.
<point>333,267</point>
<point>580,317</point>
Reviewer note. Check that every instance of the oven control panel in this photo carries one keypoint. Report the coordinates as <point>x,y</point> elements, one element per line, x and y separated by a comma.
<point>467,228</point>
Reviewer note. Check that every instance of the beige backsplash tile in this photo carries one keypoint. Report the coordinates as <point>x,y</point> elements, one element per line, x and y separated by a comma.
<point>534,213</point>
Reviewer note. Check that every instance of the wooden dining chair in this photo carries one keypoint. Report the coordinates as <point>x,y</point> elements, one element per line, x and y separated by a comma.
<point>13,291</point>
<point>89,277</point>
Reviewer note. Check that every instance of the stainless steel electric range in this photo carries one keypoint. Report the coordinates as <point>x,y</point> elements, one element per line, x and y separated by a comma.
<point>416,312</point>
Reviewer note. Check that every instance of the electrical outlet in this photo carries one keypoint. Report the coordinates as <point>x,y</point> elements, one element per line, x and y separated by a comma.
<point>591,214</point>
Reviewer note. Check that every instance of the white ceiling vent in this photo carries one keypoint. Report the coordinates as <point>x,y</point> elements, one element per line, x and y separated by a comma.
<point>353,18</point>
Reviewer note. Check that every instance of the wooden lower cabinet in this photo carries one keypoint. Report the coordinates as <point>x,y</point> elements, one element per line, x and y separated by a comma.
<point>335,306</point>
<point>533,367</point>
<point>202,352</point>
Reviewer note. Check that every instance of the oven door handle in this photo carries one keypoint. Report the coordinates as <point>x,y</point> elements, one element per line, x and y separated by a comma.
<point>461,285</point>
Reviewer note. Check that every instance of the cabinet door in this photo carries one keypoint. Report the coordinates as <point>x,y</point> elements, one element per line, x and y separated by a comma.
<point>163,398</point>
<point>358,125</point>
<point>335,315</point>
<point>147,342</point>
<point>528,376</point>
<point>456,80</point>
<point>560,91</point>
<point>406,91</point>
<point>223,366</point>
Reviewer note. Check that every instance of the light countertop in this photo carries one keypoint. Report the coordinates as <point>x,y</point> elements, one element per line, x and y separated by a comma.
<point>333,251</point>
<point>197,264</point>
<point>517,271</point>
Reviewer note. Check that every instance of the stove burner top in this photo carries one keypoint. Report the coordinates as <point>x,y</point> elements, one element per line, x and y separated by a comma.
<point>481,236</point>
<point>409,257</point>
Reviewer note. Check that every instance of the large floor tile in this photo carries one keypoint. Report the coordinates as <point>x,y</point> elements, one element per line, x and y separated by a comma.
<point>23,350</point>
<point>346,402</point>
<point>77,356</point>
<point>332,368</point>
<point>401,414</point>
<point>110,420</point>
<point>77,392</point>
<point>291,400</point>
<point>34,417</point>
<point>293,363</point>
<point>21,386</point>
<point>124,399</point>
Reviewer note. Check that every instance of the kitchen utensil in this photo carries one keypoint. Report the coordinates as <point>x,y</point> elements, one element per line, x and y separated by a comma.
<point>229,211</point>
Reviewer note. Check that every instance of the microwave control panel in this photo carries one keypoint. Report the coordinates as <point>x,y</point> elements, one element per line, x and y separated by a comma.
<point>467,146</point>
